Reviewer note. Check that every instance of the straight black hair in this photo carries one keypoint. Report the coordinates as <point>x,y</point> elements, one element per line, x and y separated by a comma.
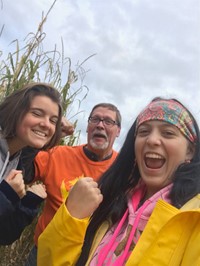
<point>124,175</point>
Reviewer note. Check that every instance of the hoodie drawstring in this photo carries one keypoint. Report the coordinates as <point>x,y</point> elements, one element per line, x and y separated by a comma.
<point>104,252</point>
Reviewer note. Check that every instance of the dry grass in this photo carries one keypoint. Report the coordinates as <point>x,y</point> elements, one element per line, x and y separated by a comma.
<point>33,63</point>
<point>16,254</point>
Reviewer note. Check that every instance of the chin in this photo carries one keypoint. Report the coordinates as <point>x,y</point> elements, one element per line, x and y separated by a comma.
<point>99,147</point>
<point>37,146</point>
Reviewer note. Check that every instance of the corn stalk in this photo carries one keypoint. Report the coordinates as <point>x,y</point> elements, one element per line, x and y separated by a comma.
<point>30,62</point>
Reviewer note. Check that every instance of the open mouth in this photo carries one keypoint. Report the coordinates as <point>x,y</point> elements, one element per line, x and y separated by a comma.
<point>154,160</point>
<point>98,135</point>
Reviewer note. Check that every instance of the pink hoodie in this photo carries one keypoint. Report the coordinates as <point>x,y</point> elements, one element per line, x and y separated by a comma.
<point>120,240</point>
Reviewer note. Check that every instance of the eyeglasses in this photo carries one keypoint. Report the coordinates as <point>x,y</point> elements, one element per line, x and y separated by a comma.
<point>106,121</point>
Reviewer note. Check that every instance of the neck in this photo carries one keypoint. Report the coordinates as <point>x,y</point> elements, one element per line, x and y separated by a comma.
<point>97,155</point>
<point>13,146</point>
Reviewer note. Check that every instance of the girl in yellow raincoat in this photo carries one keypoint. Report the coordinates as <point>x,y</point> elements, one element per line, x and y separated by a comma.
<point>145,208</point>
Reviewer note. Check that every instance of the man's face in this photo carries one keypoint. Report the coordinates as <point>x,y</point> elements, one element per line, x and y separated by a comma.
<point>101,136</point>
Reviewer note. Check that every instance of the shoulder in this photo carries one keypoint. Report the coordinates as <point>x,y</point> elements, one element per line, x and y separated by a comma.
<point>193,203</point>
<point>59,151</point>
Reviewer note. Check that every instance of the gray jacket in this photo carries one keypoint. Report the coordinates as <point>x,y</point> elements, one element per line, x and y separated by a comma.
<point>15,213</point>
<point>6,165</point>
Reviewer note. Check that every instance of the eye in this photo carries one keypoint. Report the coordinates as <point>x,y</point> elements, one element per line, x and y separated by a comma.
<point>36,113</point>
<point>142,132</point>
<point>54,120</point>
<point>95,119</point>
<point>168,133</point>
<point>109,122</point>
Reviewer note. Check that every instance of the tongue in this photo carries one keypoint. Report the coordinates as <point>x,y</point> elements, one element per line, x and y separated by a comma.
<point>154,163</point>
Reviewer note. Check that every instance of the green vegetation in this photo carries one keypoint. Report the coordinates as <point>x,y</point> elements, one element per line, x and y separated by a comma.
<point>30,62</point>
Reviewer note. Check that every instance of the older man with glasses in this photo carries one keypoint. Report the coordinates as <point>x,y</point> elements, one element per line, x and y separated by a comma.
<point>104,124</point>
<point>61,166</point>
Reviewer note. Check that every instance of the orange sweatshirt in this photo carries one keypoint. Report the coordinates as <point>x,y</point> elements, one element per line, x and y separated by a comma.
<point>55,169</point>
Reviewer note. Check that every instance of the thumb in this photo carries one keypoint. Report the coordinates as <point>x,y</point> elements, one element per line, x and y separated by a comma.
<point>13,174</point>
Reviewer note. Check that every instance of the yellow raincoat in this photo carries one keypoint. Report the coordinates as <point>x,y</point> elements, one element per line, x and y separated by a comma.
<point>171,237</point>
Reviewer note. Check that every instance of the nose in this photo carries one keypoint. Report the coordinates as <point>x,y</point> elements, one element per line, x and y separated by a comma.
<point>45,122</point>
<point>100,124</point>
<point>153,139</point>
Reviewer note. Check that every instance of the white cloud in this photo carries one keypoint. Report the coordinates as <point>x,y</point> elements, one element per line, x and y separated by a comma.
<point>143,48</point>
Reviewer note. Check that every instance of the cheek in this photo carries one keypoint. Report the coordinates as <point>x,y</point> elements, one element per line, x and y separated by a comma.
<point>53,130</point>
<point>137,147</point>
<point>111,135</point>
<point>21,128</point>
<point>112,132</point>
<point>89,134</point>
<point>89,131</point>
<point>177,155</point>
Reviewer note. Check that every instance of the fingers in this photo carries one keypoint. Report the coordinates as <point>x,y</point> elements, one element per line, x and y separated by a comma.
<point>89,180</point>
<point>16,181</point>
<point>38,189</point>
<point>67,128</point>
<point>84,198</point>
<point>19,185</point>
<point>12,174</point>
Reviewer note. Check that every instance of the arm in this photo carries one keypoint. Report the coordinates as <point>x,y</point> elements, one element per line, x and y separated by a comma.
<point>67,230</point>
<point>14,221</point>
<point>16,214</point>
<point>11,190</point>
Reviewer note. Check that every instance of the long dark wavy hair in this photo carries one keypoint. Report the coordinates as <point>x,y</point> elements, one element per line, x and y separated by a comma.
<point>124,175</point>
<point>14,107</point>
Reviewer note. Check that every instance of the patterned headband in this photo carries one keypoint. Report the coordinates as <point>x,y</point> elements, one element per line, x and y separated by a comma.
<point>172,112</point>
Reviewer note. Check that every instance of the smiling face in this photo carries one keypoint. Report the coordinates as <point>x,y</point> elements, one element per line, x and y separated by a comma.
<point>38,125</point>
<point>100,136</point>
<point>160,148</point>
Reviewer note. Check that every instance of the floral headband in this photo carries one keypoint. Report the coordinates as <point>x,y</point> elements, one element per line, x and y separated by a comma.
<point>172,112</point>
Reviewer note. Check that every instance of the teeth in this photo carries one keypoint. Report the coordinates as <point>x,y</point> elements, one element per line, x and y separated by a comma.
<point>39,133</point>
<point>153,156</point>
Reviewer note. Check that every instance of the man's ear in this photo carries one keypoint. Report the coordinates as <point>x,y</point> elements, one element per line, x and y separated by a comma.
<point>118,132</point>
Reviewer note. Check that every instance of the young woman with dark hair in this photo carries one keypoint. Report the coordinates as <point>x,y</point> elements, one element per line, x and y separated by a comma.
<point>143,206</point>
<point>29,117</point>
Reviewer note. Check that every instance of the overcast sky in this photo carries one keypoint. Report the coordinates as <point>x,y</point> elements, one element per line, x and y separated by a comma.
<point>143,48</point>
